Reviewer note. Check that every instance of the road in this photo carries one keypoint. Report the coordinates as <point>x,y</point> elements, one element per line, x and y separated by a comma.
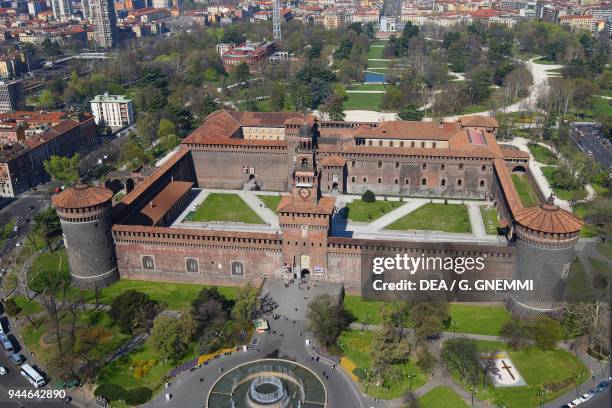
<point>588,138</point>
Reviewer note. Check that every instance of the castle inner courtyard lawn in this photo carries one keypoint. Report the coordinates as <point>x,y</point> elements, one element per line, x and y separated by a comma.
<point>436,217</point>
<point>224,207</point>
<point>271,201</point>
<point>360,211</point>
<point>525,190</point>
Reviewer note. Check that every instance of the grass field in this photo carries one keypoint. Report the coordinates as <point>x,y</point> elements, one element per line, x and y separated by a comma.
<point>442,397</point>
<point>537,368</point>
<point>542,155</point>
<point>379,64</point>
<point>469,318</point>
<point>361,211</point>
<point>564,194</point>
<point>525,190</point>
<point>588,230</point>
<point>436,217</point>
<point>225,207</point>
<point>357,347</point>
<point>600,267</point>
<point>176,295</point>
<point>605,249</point>
<point>543,61</point>
<point>367,87</point>
<point>578,286</point>
<point>489,217</point>
<point>271,201</point>
<point>363,101</point>
<point>376,52</point>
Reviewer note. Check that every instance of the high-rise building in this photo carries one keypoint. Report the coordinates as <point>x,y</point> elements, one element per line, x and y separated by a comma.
<point>62,9</point>
<point>86,9</point>
<point>104,21</point>
<point>11,96</point>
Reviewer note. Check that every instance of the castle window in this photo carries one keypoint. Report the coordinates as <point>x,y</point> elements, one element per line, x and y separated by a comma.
<point>460,166</point>
<point>442,167</point>
<point>148,262</point>
<point>365,179</point>
<point>433,145</point>
<point>459,182</point>
<point>483,168</point>
<point>443,182</point>
<point>411,144</point>
<point>422,144</point>
<point>191,265</point>
<point>396,181</point>
<point>401,144</point>
<point>380,142</point>
<point>481,183</point>
<point>353,163</point>
<point>379,180</point>
<point>379,165</point>
<point>391,143</point>
<point>304,164</point>
<point>423,181</point>
<point>407,181</point>
<point>424,166</point>
<point>396,165</point>
<point>352,179</point>
<point>369,143</point>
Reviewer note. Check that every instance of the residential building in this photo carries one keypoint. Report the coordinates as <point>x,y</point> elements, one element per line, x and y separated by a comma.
<point>104,21</point>
<point>62,9</point>
<point>112,110</point>
<point>11,95</point>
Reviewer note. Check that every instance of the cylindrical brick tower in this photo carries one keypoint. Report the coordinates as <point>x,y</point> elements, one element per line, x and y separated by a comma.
<point>546,236</point>
<point>85,215</point>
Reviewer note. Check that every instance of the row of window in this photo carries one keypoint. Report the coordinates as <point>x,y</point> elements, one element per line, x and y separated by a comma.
<point>401,143</point>
<point>423,166</point>
<point>459,182</point>
<point>192,265</point>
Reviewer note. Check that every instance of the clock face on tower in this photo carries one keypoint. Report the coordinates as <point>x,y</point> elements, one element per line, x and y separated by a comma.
<point>304,193</point>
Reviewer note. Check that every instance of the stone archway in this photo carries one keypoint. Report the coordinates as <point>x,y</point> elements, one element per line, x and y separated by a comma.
<point>519,169</point>
<point>129,185</point>
<point>305,274</point>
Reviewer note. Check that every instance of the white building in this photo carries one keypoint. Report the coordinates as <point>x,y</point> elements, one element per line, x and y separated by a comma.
<point>112,110</point>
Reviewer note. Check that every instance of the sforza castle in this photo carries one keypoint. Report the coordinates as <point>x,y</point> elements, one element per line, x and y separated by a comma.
<point>314,164</point>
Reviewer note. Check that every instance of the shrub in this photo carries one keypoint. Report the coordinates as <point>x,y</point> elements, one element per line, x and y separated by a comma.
<point>12,308</point>
<point>138,396</point>
<point>368,196</point>
<point>110,392</point>
<point>425,360</point>
<point>546,332</point>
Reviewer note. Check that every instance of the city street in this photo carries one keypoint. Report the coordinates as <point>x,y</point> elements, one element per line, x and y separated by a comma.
<point>589,139</point>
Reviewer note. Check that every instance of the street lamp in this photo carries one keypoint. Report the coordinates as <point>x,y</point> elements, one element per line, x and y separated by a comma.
<point>411,377</point>
<point>540,394</point>
<point>454,325</point>
<point>473,391</point>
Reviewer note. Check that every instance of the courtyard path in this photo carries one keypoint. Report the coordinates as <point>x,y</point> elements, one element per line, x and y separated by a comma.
<point>478,227</point>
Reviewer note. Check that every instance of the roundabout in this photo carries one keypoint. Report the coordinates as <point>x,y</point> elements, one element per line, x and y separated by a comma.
<point>268,383</point>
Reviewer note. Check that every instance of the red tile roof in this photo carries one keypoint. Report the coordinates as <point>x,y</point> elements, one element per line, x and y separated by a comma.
<point>325,206</point>
<point>81,196</point>
<point>548,218</point>
<point>333,161</point>
<point>409,130</point>
<point>165,200</point>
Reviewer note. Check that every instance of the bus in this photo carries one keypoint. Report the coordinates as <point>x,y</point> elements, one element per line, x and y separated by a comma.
<point>32,375</point>
<point>6,343</point>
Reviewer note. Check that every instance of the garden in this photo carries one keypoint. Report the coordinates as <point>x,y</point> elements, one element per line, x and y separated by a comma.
<point>224,207</point>
<point>436,217</point>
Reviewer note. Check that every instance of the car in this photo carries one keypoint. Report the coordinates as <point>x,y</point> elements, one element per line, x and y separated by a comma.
<point>602,386</point>
<point>575,402</point>
<point>16,359</point>
<point>15,228</point>
<point>18,244</point>
<point>585,397</point>
<point>3,371</point>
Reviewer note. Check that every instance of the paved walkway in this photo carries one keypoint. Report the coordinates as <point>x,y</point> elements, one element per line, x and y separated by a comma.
<point>476,222</point>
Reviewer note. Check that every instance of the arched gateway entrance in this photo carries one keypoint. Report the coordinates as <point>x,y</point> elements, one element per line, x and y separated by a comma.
<point>305,274</point>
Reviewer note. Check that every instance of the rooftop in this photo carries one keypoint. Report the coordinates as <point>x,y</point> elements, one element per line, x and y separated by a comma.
<point>81,196</point>
<point>111,98</point>
<point>548,218</point>
<point>155,210</point>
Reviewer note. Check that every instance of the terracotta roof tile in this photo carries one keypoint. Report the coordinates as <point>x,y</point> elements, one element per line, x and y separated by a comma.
<point>406,151</point>
<point>409,130</point>
<point>81,196</point>
<point>514,154</point>
<point>548,218</point>
<point>478,121</point>
<point>163,202</point>
<point>209,141</point>
<point>325,206</point>
<point>271,119</point>
<point>333,161</point>
<point>505,180</point>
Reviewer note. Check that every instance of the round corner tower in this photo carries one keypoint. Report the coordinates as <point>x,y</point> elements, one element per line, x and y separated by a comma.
<point>85,213</point>
<point>546,237</point>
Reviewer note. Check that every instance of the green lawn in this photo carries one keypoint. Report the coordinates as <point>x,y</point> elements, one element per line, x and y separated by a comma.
<point>543,61</point>
<point>363,101</point>
<point>436,217</point>
<point>525,190</point>
<point>357,346</point>
<point>375,52</point>
<point>469,318</point>
<point>542,155</point>
<point>588,230</point>
<point>489,217</point>
<point>442,397</point>
<point>564,194</point>
<point>361,211</point>
<point>537,368</point>
<point>367,87</point>
<point>600,267</point>
<point>578,285</point>
<point>605,249</point>
<point>379,64</point>
<point>176,295</point>
<point>478,319</point>
<point>271,201</point>
<point>225,207</point>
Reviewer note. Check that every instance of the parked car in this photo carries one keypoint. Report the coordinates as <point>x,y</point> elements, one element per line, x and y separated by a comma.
<point>3,370</point>
<point>16,359</point>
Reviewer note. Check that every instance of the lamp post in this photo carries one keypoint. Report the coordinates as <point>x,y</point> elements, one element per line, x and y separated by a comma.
<point>473,391</point>
<point>454,325</point>
<point>411,377</point>
<point>539,395</point>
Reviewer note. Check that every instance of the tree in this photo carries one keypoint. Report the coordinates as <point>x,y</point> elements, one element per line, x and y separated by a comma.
<point>147,125</point>
<point>462,357</point>
<point>133,311</point>
<point>429,317</point>
<point>516,333</point>
<point>327,319</point>
<point>246,306</point>
<point>410,112</point>
<point>135,156</point>
<point>547,332</point>
<point>47,225</point>
<point>242,73</point>
<point>334,105</point>
<point>46,100</point>
<point>63,169</point>
<point>479,86</point>
<point>368,196</point>
<point>277,97</point>
<point>171,337</point>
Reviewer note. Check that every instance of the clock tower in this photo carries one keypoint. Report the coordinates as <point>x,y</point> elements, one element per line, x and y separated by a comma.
<point>305,216</point>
